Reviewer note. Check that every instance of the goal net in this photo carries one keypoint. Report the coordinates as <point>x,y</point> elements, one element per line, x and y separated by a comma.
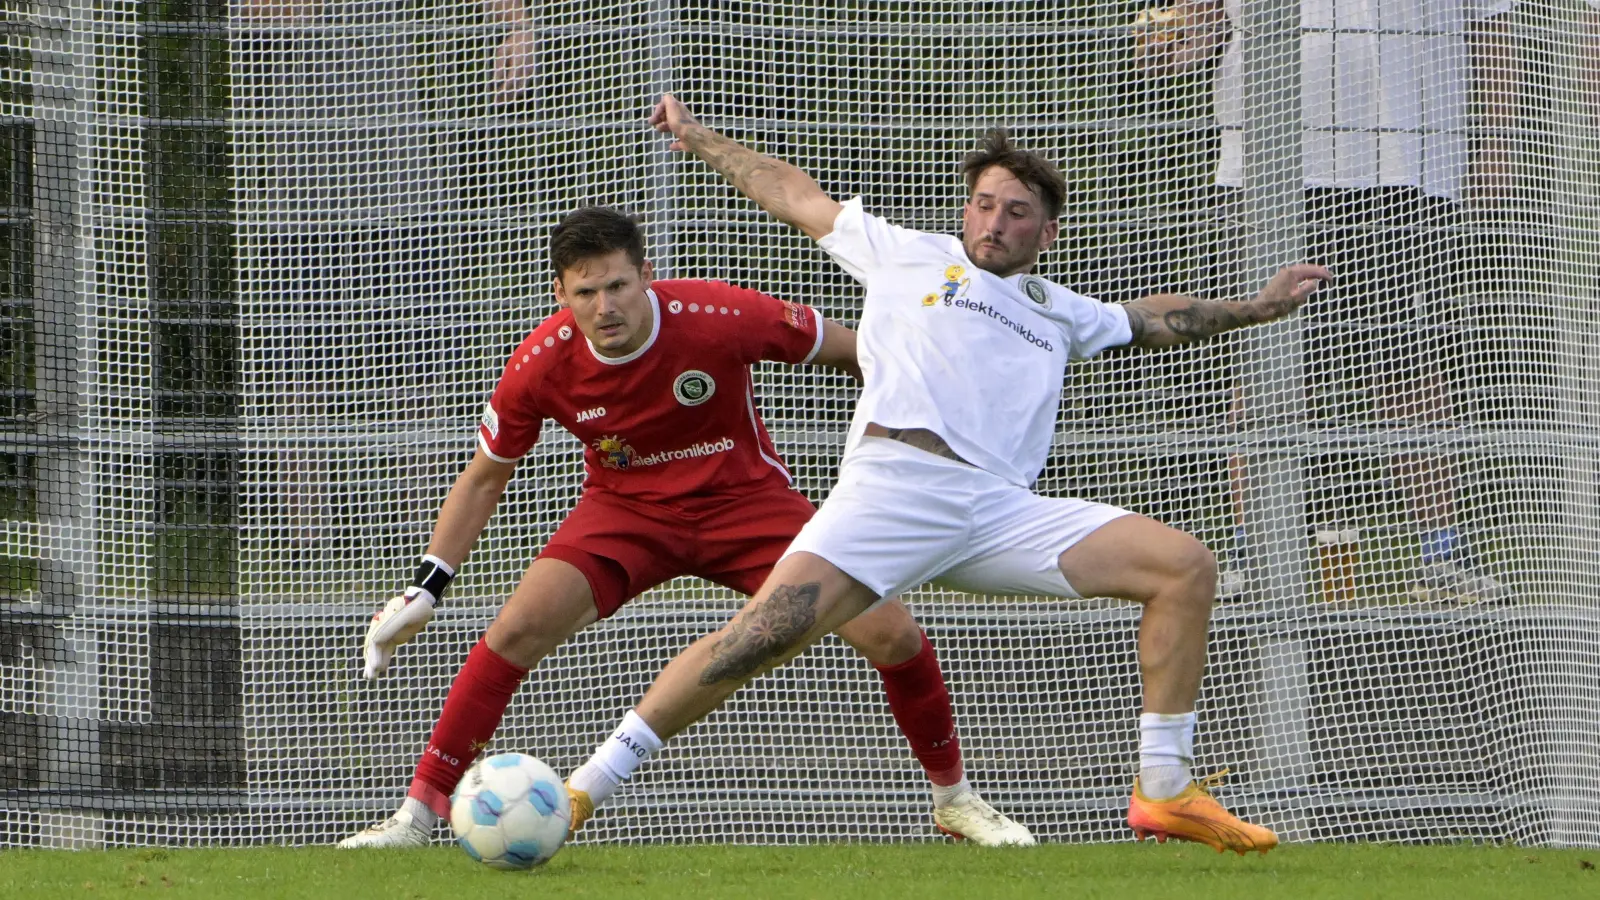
<point>262,264</point>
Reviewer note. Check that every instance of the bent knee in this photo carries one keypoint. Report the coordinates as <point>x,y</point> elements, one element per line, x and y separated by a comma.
<point>886,636</point>
<point>1194,566</point>
<point>521,642</point>
<point>1197,559</point>
<point>526,633</point>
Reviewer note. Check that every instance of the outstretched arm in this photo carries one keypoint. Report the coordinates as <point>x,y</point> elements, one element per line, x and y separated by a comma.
<point>789,194</point>
<point>1164,320</point>
<point>838,350</point>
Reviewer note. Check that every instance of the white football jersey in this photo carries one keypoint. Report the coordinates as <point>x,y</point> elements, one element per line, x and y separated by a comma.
<point>976,358</point>
<point>1383,93</point>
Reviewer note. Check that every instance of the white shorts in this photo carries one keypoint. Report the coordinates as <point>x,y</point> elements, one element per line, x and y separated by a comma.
<point>900,517</point>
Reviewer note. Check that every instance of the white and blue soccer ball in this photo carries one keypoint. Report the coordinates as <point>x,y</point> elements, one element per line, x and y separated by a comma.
<point>511,812</point>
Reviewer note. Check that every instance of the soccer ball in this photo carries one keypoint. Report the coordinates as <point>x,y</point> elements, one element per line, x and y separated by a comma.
<point>511,812</point>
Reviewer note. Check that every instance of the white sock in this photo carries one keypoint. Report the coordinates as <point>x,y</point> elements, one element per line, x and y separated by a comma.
<point>946,794</point>
<point>1166,750</point>
<point>614,761</point>
<point>420,813</point>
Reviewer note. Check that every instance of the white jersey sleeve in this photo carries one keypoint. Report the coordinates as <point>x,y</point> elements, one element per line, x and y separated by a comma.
<point>1089,326</point>
<point>860,242</point>
<point>1098,327</point>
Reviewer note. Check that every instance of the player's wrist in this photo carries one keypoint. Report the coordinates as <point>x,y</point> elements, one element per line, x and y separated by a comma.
<point>698,138</point>
<point>433,576</point>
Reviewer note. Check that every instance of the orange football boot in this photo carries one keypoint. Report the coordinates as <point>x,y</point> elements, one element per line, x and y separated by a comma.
<point>1195,815</point>
<point>582,808</point>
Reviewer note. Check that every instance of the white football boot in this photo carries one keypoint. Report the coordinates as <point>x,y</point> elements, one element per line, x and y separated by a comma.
<point>399,830</point>
<point>1449,581</point>
<point>969,817</point>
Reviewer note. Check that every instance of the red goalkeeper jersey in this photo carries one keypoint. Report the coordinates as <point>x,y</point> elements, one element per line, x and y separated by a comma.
<point>672,422</point>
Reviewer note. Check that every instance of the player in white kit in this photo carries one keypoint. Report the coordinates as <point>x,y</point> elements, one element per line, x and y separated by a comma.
<point>964,353</point>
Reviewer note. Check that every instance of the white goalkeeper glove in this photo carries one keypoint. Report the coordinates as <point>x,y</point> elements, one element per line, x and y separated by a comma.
<point>404,617</point>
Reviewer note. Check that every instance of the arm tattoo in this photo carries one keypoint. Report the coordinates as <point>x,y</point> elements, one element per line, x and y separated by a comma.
<point>756,176</point>
<point>767,630</point>
<point>1201,320</point>
<point>1162,321</point>
<point>1136,322</point>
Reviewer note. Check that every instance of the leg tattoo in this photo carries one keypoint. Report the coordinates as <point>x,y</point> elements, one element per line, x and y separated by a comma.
<point>766,632</point>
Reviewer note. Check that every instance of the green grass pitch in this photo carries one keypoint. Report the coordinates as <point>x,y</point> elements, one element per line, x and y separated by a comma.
<point>829,871</point>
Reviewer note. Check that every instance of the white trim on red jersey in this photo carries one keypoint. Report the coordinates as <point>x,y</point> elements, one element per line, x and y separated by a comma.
<point>755,432</point>
<point>655,331</point>
<point>484,446</point>
<point>816,348</point>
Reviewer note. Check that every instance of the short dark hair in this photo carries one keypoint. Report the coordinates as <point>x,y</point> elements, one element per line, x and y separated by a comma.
<point>594,231</point>
<point>1030,168</point>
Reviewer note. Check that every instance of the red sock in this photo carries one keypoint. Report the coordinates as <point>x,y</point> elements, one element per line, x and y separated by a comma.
<point>921,706</point>
<point>472,712</point>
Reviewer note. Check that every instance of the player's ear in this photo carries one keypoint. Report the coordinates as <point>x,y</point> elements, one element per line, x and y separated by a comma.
<point>1049,233</point>
<point>647,272</point>
<point>561,293</point>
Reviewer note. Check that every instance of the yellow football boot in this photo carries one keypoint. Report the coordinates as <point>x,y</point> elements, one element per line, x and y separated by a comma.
<point>582,809</point>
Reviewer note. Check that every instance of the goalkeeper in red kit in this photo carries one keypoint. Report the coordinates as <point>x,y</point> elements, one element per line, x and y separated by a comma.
<point>681,479</point>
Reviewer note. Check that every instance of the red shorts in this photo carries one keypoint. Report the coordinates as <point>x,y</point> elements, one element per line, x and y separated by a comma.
<point>625,548</point>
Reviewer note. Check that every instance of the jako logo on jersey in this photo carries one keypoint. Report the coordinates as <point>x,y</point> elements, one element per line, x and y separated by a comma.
<point>1033,286</point>
<point>953,287</point>
<point>588,414</point>
<point>693,387</point>
<point>675,306</point>
<point>491,421</point>
<point>565,332</point>
<point>1022,330</point>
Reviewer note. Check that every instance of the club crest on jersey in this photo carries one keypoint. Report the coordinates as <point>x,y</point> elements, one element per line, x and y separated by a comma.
<point>1033,286</point>
<point>955,284</point>
<point>693,387</point>
<point>615,453</point>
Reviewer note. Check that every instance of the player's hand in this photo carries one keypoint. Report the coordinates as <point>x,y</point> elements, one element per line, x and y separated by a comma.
<point>1288,290</point>
<point>399,621</point>
<point>513,64</point>
<point>1176,39</point>
<point>670,116</point>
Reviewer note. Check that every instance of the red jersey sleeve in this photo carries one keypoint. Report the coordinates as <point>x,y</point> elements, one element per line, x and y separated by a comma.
<point>766,327</point>
<point>512,418</point>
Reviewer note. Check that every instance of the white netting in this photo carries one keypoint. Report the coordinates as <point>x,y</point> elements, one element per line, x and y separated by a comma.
<point>263,262</point>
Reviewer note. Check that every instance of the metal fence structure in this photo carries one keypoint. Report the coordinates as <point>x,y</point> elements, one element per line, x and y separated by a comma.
<point>263,262</point>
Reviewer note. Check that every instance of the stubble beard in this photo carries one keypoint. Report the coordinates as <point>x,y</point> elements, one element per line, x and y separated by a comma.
<point>1007,263</point>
